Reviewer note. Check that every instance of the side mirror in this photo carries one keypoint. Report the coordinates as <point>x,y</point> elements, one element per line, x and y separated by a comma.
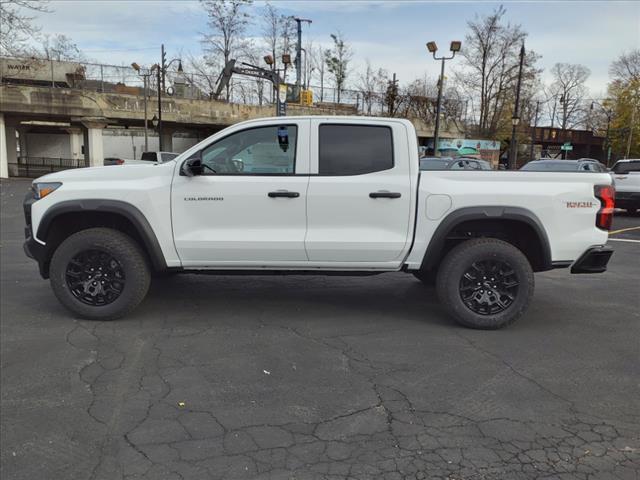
<point>192,166</point>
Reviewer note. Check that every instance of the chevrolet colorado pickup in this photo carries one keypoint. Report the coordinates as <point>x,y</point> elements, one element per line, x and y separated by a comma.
<point>315,195</point>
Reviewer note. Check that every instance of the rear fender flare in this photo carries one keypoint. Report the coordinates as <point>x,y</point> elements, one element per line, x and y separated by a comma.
<point>437,242</point>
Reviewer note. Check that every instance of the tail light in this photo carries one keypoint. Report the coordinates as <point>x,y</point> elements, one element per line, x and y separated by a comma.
<point>607,195</point>
<point>119,161</point>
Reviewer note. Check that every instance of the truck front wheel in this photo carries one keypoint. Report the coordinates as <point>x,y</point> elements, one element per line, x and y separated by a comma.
<point>99,274</point>
<point>485,283</point>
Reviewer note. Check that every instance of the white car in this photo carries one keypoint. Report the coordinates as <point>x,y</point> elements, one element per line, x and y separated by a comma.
<point>626,177</point>
<point>315,195</point>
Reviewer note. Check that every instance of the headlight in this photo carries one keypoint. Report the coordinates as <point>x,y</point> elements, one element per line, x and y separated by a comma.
<point>41,190</point>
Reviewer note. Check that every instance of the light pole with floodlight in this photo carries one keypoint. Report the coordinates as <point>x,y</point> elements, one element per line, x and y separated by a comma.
<point>433,48</point>
<point>145,74</point>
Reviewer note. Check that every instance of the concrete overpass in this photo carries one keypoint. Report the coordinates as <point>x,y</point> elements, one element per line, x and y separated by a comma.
<point>82,115</point>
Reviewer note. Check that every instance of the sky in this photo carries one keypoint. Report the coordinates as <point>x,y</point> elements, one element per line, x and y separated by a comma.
<point>390,34</point>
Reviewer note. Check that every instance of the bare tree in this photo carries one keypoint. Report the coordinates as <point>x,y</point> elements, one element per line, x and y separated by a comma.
<point>491,58</point>
<point>626,67</point>
<point>260,86</point>
<point>60,47</point>
<point>319,68</point>
<point>419,100</point>
<point>205,74</point>
<point>569,91</point>
<point>228,21</point>
<point>17,27</point>
<point>277,33</point>
<point>371,86</point>
<point>337,59</point>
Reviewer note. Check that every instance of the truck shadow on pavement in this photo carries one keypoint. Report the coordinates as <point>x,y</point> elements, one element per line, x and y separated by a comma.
<point>352,299</point>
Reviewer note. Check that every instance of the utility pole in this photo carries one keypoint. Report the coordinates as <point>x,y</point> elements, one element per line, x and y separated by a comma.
<point>633,119</point>
<point>608,152</point>
<point>392,93</point>
<point>533,130</point>
<point>513,148</point>
<point>299,52</point>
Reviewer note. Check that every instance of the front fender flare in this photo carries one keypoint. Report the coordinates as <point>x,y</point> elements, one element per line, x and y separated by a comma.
<point>128,211</point>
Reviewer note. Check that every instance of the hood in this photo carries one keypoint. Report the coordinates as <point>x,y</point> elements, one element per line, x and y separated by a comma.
<point>110,173</point>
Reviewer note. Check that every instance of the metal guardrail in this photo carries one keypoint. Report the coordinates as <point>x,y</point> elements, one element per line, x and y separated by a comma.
<point>33,167</point>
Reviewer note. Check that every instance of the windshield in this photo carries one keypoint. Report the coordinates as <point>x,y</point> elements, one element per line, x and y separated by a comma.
<point>626,167</point>
<point>559,166</point>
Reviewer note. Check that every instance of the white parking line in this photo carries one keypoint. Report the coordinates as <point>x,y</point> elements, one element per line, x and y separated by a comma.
<point>623,240</point>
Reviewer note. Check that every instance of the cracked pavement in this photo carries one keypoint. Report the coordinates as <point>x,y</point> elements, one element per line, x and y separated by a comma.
<point>299,377</point>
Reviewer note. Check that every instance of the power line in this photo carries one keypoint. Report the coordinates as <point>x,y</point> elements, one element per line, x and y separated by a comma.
<point>121,50</point>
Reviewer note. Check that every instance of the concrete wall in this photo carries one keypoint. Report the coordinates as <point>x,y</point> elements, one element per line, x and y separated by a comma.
<point>130,143</point>
<point>116,143</point>
<point>48,145</point>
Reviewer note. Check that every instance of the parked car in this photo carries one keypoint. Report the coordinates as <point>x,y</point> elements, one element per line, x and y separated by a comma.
<point>145,158</point>
<point>321,195</point>
<point>448,163</point>
<point>114,161</point>
<point>555,165</point>
<point>626,176</point>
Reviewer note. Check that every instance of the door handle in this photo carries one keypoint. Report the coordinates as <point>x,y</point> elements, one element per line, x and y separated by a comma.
<point>283,193</point>
<point>385,194</point>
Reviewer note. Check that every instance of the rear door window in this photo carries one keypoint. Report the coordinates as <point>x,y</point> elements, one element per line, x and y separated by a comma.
<point>354,149</point>
<point>626,167</point>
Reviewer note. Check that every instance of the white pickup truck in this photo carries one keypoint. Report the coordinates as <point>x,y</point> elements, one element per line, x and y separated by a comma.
<point>315,195</point>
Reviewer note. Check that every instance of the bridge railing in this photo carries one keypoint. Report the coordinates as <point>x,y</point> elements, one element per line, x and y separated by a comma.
<point>33,167</point>
<point>186,84</point>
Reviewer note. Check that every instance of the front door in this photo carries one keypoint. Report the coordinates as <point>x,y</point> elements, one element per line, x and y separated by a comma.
<point>248,207</point>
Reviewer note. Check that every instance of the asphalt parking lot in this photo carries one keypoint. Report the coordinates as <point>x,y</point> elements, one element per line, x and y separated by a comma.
<point>319,377</point>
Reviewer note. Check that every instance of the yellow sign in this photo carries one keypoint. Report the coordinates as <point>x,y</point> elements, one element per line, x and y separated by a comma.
<point>306,97</point>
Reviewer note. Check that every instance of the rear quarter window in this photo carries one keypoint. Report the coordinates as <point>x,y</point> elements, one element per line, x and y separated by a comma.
<point>354,149</point>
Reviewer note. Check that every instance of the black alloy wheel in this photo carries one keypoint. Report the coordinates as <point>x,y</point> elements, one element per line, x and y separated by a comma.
<point>489,286</point>
<point>95,277</point>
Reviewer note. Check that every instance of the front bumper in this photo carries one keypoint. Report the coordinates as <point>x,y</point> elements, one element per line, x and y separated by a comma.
<point>594,260</point>
<point>33,249</point>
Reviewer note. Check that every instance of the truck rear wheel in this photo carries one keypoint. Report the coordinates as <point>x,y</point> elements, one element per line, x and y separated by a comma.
<point>485,283</point>
<point>99,274</point>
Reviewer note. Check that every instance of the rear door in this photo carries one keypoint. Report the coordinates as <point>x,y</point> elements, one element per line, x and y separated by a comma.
<point>359,200</point>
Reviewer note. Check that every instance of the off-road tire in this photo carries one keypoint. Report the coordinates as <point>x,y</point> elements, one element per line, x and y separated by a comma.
<point>460,259</point>
<point>119,246</point>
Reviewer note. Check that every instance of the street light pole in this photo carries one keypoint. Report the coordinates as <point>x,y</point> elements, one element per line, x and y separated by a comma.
<point>145,74</point>
<point>433,48</point>
<point>146,135</point>
<point>159,71</point>
<point>436,133</point>
<point>515,120</point>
